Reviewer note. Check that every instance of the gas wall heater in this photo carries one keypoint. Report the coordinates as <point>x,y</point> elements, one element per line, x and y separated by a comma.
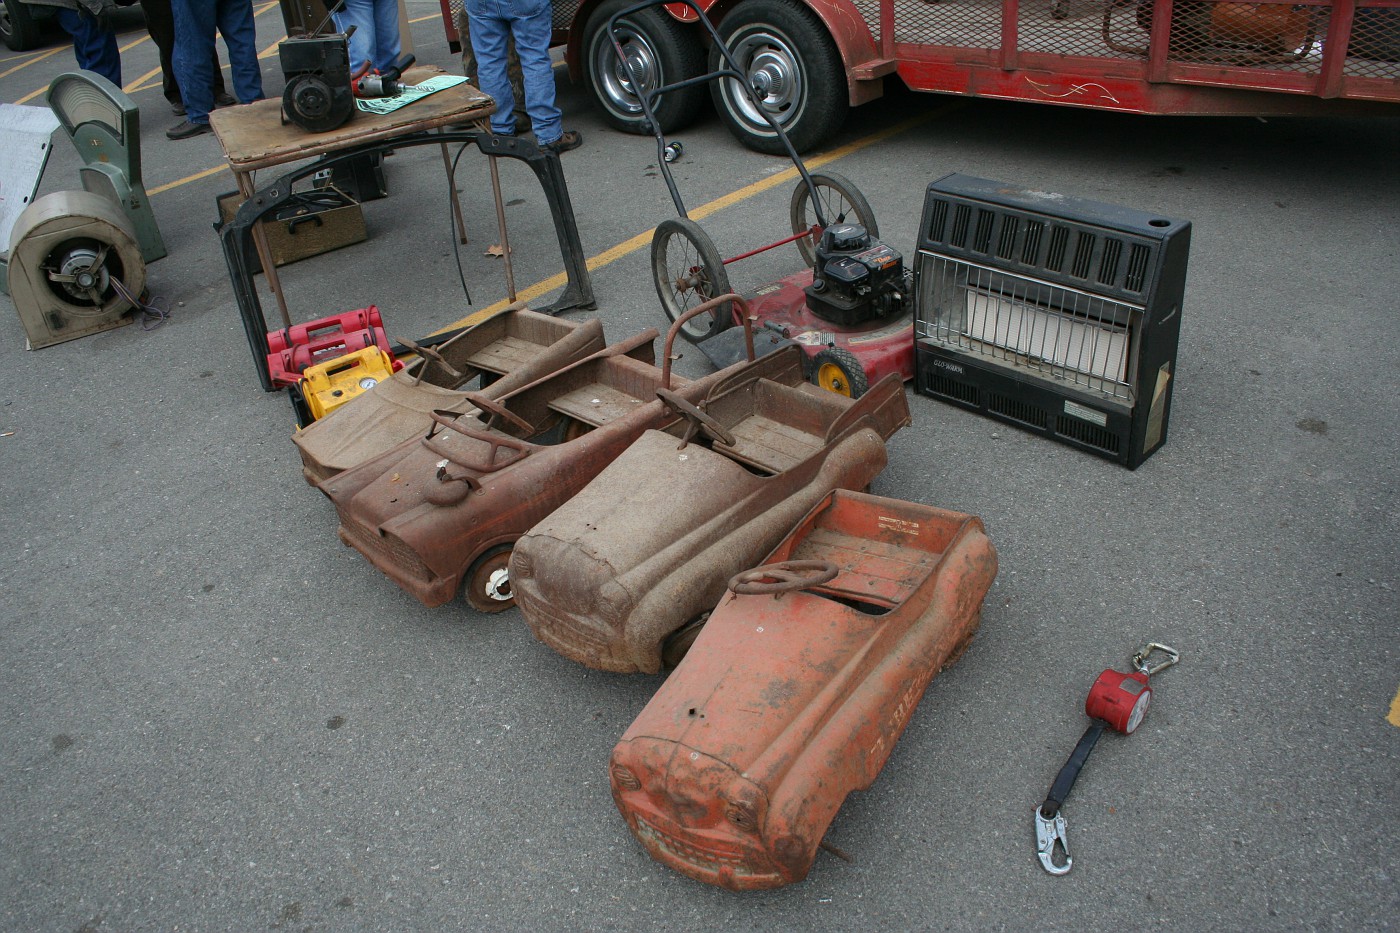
<point>1052,313</point>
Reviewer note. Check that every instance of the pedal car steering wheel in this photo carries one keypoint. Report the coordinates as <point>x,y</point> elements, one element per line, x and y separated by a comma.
<point>783,577</point>
<point>496,409</point>
<point>428,353</point>
<point>698,418</point>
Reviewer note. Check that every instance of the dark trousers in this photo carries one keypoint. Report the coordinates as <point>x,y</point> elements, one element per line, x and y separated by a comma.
<point>160,22</point>
<point>95,48</point>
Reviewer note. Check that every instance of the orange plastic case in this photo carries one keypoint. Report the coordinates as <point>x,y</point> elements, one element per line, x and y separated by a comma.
<point>787,702</point>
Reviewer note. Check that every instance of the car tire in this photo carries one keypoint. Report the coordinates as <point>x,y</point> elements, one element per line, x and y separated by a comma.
<point>837,370</point>
<point>20,29</point>
<point>666,51</point>
<point>783,46</point>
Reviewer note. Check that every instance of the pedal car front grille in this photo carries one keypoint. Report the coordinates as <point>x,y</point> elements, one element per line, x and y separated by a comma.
<point>384,549</point>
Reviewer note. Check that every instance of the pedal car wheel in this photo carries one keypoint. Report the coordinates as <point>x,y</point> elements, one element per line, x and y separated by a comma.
<point>659,51</point>
<point>797,75</point>
<point>677,644</point>
<point>841,202</point>
<point>837,370</point>
<point>487,584</point>
<point>688,271</point>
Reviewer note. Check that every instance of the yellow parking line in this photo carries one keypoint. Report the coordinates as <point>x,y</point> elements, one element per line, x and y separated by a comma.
<point>642,239</point>
<point>187,179</point>
<point>25,64</point>
<point>1394,717</point>
<point>133,86</point>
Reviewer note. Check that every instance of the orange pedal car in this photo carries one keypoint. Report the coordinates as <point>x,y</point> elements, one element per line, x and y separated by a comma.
<point>797,688</point>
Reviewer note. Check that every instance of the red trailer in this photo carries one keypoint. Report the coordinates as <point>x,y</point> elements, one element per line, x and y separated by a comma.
<point>813,59</point>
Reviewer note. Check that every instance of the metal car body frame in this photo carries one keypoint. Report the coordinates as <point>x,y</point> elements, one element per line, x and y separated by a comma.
<point>792,697</point>
<point>516,346</point>
<point>616,577</point>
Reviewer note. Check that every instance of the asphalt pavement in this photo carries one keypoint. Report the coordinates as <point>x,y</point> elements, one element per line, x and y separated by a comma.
<point>216,717</point>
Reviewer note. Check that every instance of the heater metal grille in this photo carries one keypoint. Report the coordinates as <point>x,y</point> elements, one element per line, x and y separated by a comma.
<point>1086,340</point>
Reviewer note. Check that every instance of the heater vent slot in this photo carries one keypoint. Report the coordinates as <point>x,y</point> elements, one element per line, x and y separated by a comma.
<point>983,241</point>
<point>1138,258</point>
<point>938,217</point>
<point>939,384</point>
<point>1059,239</point>
<point>961,215</point>
<point>1030,250</point>
<point>1086,433</point>
<point>1108,267</point>
<point>1083,254</point>
<point>1016,410</point>
<point>1006,244</point>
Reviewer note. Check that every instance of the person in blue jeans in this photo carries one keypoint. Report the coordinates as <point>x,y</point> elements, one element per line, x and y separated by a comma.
<point>376,36</point>
<point>195,24</point>
<point>530,23</point>
<point>94,42</point>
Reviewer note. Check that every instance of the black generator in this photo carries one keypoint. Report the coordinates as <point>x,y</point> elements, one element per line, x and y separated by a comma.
<point>1051,313</point>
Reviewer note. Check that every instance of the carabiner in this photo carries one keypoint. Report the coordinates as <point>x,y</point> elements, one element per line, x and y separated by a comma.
<point>1048,832</point>
<point>1140,658</point>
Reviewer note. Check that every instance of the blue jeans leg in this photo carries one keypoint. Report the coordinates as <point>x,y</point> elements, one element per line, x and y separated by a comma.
<point>95,48</point>
<point>532,30</point>
<point>376,36</point>
<point>529,22</point>
<point>194,56</point>
<point>235,18</point>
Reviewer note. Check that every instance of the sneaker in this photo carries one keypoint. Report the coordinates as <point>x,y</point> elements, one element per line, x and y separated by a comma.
<point>569,139</point>
<point>225,100</point>
<point>177,109</point>
<point>186,130</point>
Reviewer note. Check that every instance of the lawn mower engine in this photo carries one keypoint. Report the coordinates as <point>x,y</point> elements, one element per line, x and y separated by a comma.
<point>856,278</point>
<point>318,96</point>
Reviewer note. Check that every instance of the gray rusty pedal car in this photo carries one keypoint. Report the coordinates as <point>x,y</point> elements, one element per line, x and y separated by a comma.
<point>447,506</point>
<point>622,576</point>
<point>506,351</point>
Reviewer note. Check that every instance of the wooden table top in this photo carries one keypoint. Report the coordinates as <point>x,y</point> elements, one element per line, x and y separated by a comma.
<point>253,136</point>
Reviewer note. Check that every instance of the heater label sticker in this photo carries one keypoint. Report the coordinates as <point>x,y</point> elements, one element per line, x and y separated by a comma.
<point>900,525</point>
<point>1087,414</point>
<point>951,367</point>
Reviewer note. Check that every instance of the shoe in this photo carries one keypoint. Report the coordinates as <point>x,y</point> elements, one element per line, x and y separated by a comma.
<point>186,130</point>
<point>569,139</point>
<point>225,100</point>
<point>177,109</point>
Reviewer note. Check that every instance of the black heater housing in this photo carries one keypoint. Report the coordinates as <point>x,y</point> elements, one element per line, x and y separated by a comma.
<point>1051,313</point>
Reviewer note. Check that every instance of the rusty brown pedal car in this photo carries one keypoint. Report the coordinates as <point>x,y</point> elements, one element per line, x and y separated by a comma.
<point>619,578</point>
<point>797,689</point>
<point>508,350</point>
<point>447,506</point>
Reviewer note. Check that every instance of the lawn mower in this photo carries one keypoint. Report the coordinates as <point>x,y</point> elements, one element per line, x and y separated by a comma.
<point>849,310</point>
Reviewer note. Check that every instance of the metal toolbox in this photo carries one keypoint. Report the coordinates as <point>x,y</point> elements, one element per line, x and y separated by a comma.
<point>310,224</point>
